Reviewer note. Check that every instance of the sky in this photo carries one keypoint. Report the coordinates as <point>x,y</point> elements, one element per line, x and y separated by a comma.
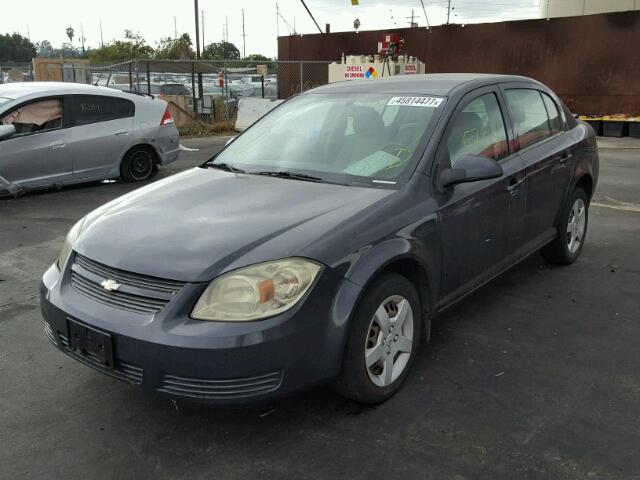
<point>154,19</point>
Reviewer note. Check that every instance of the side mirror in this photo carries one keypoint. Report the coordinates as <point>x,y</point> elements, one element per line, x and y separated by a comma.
<point>471,168</point>
<point>7,131</point>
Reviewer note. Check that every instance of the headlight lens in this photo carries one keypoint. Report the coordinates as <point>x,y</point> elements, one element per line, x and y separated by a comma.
<point>68,245</point>
<point>256,292</point>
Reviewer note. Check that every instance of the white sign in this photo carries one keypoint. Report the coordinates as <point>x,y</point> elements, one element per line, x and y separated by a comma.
<point>431,102</point>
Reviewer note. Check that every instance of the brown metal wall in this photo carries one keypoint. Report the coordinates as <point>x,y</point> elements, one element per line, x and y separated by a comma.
<point>592,62</point>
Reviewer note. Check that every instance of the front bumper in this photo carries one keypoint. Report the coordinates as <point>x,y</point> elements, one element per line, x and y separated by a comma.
<point>211,362</point>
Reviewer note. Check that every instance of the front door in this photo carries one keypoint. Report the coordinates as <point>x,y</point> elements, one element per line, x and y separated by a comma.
<point>36,155</point>
<point>481,222</point>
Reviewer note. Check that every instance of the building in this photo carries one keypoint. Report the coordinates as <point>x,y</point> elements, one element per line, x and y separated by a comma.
<point>570,8</point>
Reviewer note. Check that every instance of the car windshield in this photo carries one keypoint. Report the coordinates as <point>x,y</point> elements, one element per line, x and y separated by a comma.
<point>355,139</point>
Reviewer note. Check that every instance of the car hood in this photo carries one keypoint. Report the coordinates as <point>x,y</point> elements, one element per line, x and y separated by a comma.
<point>202,222</point>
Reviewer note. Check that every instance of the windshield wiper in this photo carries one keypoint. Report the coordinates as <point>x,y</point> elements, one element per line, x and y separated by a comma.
<point>225,166</point>
<point>291,175</point>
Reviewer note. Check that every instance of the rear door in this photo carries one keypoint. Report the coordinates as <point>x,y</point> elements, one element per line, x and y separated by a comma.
<point>100,134</point>
<point>36,155</point>
<point>547,149</point>
<point>481,222</point>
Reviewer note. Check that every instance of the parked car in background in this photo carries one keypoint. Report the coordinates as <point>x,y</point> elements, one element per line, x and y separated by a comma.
<point>153,88</point>
<point>319,244</point>
<point>63,133</point>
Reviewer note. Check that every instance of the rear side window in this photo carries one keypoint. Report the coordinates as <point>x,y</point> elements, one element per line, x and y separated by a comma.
<point>88,109</point>
<point>478,130</point>
<point>555,123</point>
<point>529,116</point>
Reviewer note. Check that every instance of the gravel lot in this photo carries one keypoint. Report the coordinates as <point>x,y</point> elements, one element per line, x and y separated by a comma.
<point>535,376</point>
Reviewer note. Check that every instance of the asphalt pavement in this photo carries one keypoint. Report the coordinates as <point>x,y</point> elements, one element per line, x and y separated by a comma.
<point>536,376</point>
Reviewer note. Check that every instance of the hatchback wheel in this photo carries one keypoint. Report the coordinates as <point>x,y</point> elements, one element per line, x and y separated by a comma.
<point>139,164</point>
<point>566,248</point>
<point>383,340</point>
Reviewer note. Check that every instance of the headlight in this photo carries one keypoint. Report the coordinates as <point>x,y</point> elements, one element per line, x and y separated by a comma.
<point>68,245</point>
<point>256,292</point>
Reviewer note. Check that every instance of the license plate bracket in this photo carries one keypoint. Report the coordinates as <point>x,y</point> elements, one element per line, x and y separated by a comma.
<point>91,343</point>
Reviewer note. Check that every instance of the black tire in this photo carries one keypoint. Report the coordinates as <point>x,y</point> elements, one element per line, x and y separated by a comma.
<point>558,252</point>
<point>354,381</point>
<point>138,164</point>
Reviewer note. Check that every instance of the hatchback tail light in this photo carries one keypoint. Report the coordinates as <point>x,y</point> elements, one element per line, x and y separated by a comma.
<point>166,118</point>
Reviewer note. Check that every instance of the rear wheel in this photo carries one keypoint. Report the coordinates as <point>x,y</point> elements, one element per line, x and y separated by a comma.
<point>566,248</point>
<point>138,164</point>
<point>383,340</point>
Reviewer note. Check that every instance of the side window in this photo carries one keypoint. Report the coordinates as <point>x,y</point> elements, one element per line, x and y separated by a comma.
<point>554,116</point>
<point>88,109</point>
<point>478,130</point>
<point>35,117</point>
<point>529,116</point>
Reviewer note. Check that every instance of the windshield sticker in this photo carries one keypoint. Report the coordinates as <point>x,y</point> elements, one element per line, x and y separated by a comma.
<point>430,102</point>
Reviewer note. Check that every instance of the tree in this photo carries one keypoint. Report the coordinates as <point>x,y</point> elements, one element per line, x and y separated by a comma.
<point>134,46</point>
<point>256,57</point>
<point>175,49</point>
<point>221,51</point>
<point>44,49</point>
<point>16,48</point>
<point>67,50</point>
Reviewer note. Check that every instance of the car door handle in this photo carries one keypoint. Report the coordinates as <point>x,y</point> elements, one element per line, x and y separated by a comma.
<point>565,157</point>
<point>514,185</point>
<point>122,132</point>
<point>57,145</point>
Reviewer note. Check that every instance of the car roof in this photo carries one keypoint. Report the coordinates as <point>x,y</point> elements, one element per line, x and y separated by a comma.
<point>432,83</point>
<point>18,90</point>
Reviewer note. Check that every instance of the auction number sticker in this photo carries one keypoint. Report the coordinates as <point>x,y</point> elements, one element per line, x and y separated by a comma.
<point>431,102</point>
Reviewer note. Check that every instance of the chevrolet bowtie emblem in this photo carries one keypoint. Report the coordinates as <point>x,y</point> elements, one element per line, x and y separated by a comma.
<point>110,285</point>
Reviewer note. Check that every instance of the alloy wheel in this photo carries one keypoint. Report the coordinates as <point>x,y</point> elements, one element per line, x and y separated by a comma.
<point>576,225</point>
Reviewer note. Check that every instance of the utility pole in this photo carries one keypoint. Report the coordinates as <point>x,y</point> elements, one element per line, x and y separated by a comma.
<point>196,9</point>
<point>82,38</point>
<point>28,32</point>
<point>202,20</point>
<point>195,4</point>
<point>449,12</point>
<point>311,15</point>
<point>424,10</point>
<point>412,24</point>
<point>175,28</point>
<point>101,37</point>
<point>244,38</point>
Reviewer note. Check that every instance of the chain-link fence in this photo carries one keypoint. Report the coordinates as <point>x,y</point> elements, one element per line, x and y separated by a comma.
<point>15,72</point>
<point>201,92</point>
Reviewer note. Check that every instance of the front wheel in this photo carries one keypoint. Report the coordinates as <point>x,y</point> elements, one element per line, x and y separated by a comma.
<point>138,164</point>
<point>383,340</point>
<point>566,248</point>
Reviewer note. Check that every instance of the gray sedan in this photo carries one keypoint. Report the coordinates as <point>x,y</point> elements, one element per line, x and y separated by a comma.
<point>54,134</point>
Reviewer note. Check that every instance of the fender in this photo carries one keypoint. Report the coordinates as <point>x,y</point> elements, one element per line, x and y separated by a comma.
<point>418,243</point>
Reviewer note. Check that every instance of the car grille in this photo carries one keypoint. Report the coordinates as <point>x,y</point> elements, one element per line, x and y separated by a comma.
<point>137,293</point>
<point>124,371</point>
<point>221,389</point>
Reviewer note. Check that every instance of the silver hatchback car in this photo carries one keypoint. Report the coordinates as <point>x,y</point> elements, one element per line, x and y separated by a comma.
<point>54,134</point>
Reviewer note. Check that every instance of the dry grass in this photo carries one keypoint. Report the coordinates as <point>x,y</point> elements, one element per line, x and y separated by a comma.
<point>202,130</point>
